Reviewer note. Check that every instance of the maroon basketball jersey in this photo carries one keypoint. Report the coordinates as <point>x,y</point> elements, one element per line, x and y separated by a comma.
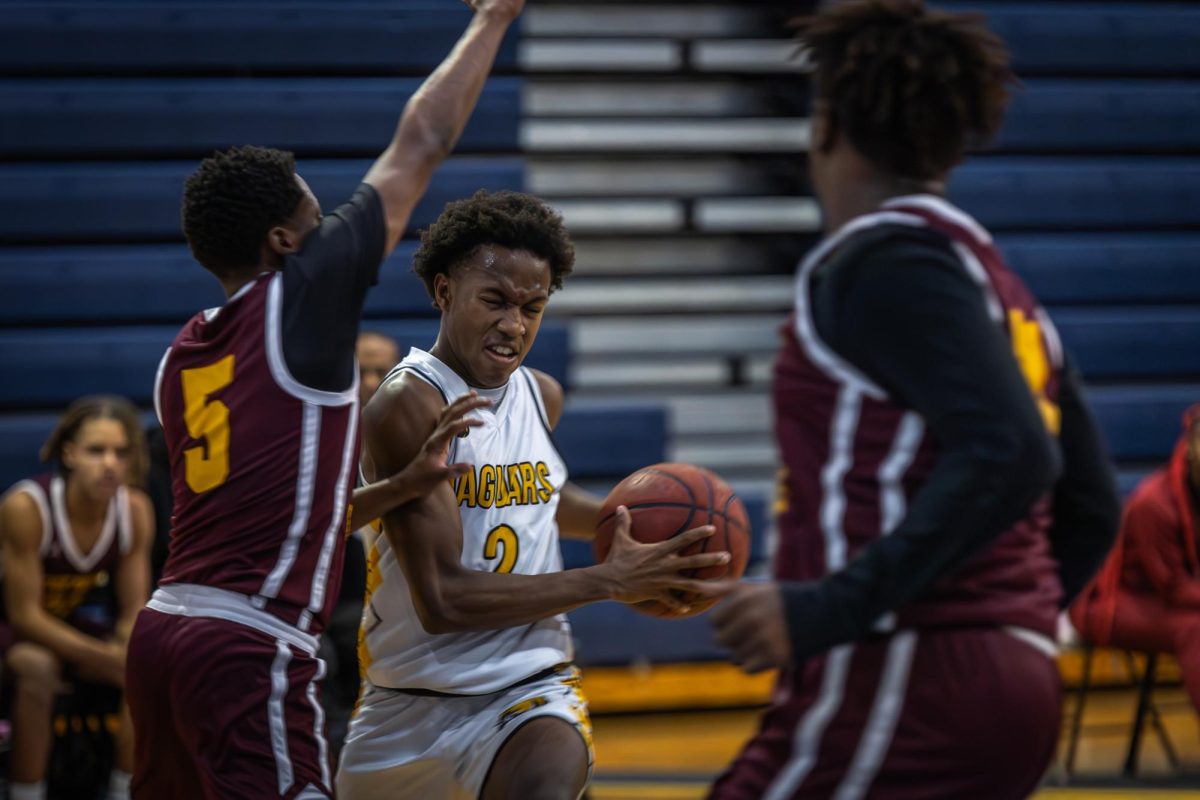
<point>77,585</point>
<point>261,465</point>
<point>853,457</point>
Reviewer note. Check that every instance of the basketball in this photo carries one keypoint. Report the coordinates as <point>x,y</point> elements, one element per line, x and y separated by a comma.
<point>664,500</point>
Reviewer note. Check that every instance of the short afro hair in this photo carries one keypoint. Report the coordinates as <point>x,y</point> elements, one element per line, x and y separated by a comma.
<point>510,219</point>
<point>232,200</point>
<point>912,89</point>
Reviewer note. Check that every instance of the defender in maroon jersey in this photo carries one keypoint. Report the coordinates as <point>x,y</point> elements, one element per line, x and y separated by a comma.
<point>932,529</point>
<point>258,400</point>
<point>76,555</point>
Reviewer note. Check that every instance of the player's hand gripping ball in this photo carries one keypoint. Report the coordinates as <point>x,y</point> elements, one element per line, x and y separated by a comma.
<point>664,500</point>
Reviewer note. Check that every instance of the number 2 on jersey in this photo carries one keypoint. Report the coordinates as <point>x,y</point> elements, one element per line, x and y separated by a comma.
<point>502,541</point>
<point>206,466</point>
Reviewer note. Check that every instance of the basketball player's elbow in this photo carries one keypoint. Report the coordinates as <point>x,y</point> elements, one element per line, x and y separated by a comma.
<point>439,612</point>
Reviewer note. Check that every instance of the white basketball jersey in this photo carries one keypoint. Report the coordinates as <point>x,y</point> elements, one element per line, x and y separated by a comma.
<point>507,504</point>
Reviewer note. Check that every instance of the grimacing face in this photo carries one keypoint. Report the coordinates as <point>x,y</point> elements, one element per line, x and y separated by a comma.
<point>98,458</point>
<point>492,305</point>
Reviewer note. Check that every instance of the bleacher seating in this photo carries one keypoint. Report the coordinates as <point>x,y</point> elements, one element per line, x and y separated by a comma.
<point>47,368</point>
<point>57,37</point>
<point>116,284</point>
<point>1053,193</point>
<point>176,117</point>
<point>121,202</point>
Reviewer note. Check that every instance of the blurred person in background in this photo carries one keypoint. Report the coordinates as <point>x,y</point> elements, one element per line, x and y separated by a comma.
<point>945,489</point>
<point>76,566</point>
<point>1147,595</point>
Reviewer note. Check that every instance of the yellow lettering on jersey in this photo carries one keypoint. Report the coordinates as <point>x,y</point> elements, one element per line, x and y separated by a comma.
<point>503,496</point>
<point>517,709</point>
<point>783,494</point>
<point>206,466</point>
<point>503,485</point>
<point>464,488</point>
<point>512,475</point>
<point>502,541</point>
<point>1030,350</point>
<point>62,594</point>
<point>487,486</point>
<point>543,476</point>
<point>528,481</point>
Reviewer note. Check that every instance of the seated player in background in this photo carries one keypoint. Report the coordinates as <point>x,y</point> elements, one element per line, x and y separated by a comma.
<point>76,560</point>
<point>1147,595</point>
<point>376,355</point>
<point>470,691</point>
<point>259,406</point>
<point>932,527</point>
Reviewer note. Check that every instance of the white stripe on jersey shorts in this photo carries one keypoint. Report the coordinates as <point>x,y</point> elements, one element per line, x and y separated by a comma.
<point>403,745</point>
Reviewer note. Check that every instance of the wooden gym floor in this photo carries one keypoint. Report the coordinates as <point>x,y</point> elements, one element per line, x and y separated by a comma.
<point>672,755</point>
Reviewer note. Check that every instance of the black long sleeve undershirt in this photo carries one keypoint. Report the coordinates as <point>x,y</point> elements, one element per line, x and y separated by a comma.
<point>901,308</point>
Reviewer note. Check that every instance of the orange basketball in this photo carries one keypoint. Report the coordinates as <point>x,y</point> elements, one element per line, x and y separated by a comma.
<point>665,500</point>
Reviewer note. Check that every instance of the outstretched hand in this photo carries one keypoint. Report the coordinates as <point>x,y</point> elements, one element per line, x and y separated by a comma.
<point>504,9</point>
<point>751,622</point>
<point>655,571</point>
<point>429,469</point>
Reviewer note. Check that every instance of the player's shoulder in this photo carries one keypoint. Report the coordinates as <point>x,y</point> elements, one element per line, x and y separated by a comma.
<point>891,242</point>
<point>21,514</point>
<point>404,400</point>
<point>552,394</point>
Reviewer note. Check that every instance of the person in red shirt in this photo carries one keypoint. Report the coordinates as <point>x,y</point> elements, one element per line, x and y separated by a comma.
<point>1147,595</point>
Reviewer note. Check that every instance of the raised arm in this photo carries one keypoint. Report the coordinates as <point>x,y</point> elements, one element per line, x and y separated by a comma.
<point>426,535</point>
<point>435,116</point>
<point>21,533</point>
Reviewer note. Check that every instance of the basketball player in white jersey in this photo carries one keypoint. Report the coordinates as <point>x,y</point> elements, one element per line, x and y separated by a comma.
<point>469,688</point>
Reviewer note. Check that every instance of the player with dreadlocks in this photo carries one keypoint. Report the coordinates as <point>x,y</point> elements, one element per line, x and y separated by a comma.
<point>944,489</point>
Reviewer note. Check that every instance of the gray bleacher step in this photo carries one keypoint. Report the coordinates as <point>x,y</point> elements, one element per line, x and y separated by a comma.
<point>545,97</point>
<point>757,214</point>
<point>685,255</point>
<point>711,215</point>
<point>642,19</point>
<point>701,294</point>
<point>599,55</point>
<point>596,177</point>
<point>737,455</point>
<point>648,375</point>
<point>691,414</point>
<point>748,56</point>
<point>712,335</point>
<point>621,216</point>
<point>754,135</point>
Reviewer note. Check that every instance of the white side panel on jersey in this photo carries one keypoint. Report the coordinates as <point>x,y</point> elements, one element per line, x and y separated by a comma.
<point>278,364</point>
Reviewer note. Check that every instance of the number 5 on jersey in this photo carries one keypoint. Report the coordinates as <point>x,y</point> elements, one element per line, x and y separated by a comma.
<point>207,464</point>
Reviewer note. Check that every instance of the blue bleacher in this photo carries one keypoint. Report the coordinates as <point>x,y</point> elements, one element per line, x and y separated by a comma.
<point>49,368</point>
<point>55,37</point>
<point>1048,193</point>
<point>115,284</point>
<point>1069,38</point>
<point>1146,342</point>
<point>127,201</point>
<point>50,118</point>
<point>1078,116</point>
<point>1117,268</point>
<point>1142,423</point>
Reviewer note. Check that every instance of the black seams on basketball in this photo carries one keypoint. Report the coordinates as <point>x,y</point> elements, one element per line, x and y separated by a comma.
<point>665,500</point>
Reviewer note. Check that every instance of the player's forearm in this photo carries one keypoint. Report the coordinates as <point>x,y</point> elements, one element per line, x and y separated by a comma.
<point>374,500</point>
<point>577,512</point>
<point>435,116</point>
<point>481,601</point>
<point>58,637</point>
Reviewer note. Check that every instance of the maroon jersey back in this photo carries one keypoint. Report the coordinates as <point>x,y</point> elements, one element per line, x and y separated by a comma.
<point>77,584</point>
<point>261,465</point>
<point>853,457</point>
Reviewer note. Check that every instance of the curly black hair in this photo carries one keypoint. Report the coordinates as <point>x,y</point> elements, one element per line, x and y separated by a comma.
<point>912,89</point>
<point>510,219</point>
<point>232,200</point>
